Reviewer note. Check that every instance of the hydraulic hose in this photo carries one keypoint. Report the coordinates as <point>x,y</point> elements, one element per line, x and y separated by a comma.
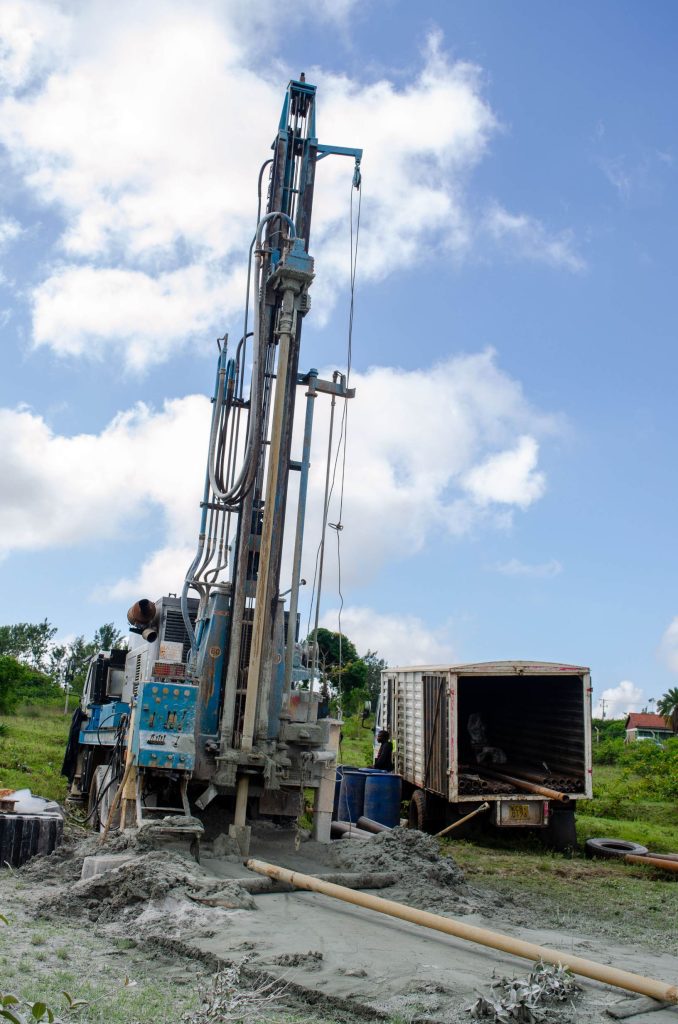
<point>243,481</point>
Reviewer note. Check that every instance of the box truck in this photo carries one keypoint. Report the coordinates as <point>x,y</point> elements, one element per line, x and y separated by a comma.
<point>515,735</point>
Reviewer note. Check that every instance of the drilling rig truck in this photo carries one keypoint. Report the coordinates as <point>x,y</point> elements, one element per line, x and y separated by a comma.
<point>207,704</point>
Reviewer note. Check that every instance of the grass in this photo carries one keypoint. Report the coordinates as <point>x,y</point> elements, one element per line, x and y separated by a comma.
<point>620,810</point>
<point>32,748</point>
<point>118,988</point>
<point>357,744</point>
<point>604,897</point>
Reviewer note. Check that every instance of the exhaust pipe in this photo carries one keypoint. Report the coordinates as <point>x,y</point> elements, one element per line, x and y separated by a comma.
<point>150,634</point>
<point>142,613</point>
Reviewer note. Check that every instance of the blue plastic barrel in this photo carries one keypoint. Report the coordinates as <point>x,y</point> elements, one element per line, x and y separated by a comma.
<point>352,795</point>
<point>339,774</point>
<point>382,798</point>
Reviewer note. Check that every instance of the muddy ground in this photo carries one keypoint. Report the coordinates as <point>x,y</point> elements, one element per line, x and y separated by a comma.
<point>145,940</point>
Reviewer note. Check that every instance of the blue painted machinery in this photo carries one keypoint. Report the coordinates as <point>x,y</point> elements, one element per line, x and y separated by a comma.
<point>206,705</point>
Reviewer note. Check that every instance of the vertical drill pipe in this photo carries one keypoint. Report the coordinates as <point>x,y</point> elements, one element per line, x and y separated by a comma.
<point>322,542</point>
<point>299,536</point>
<point>261,609</point>
<point>483,936</point>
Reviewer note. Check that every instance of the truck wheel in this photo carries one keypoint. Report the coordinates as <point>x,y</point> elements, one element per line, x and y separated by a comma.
<point>611,848</point>
<point>561,834</point>
<point>419,816</point>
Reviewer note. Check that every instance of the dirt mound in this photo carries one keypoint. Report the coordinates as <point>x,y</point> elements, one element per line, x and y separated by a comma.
<point>65,864</point>
<point>426,878</point>
<point>147,879</point>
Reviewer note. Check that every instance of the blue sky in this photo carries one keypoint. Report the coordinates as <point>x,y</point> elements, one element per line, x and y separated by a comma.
<point>511,485</point>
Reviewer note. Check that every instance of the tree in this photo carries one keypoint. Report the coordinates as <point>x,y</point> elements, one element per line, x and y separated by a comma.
<point>108,638</point>
<point>20,684</point>
<point>375,666</point>
<point>28,642</point>
<point>667,705</point>
<point>333,649</point>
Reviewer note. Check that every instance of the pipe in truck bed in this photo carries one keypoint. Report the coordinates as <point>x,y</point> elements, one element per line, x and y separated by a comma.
<point>529,787</point>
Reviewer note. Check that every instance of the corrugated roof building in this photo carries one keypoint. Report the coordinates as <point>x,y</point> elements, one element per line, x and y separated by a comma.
<point>642,725</point>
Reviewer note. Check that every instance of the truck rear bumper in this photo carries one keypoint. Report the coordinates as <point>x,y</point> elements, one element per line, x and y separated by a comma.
<point>521,813</point>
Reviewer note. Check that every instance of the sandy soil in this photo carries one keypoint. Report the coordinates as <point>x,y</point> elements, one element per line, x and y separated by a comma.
<point>346,962</point>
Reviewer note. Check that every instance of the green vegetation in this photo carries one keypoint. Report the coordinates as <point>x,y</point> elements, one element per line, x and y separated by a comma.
<point>119,992</point>
<point>32,745</point>
<point>357,745</point>
<point>21,684</point>
<point>355,680</point>
<point>33,668</point>
<point>667,705</point>
<point>604,897</point>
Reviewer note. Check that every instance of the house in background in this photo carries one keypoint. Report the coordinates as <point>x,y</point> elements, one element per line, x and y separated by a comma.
<point>641,725</point>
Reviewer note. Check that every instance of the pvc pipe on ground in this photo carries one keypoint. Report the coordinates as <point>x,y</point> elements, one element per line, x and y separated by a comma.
<point>370,825</point>
<point>483,936</point>
<point>346,828</point>
<point>656,862</point>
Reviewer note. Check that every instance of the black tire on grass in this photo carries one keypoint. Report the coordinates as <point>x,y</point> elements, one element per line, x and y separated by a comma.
<point>611,849</point>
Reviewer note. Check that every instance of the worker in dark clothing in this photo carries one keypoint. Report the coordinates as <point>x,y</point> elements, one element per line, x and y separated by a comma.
<point>384,758</point>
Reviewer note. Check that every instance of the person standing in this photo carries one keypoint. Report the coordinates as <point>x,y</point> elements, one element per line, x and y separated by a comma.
<point>384,758</point>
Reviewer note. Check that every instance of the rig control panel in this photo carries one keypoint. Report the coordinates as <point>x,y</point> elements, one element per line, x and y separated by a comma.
<point>164,725</point>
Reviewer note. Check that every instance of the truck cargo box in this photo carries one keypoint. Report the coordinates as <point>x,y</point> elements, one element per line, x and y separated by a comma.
<point>456,728</point>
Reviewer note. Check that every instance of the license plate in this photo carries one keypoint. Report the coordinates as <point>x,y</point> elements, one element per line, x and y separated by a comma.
<point>528,813</point>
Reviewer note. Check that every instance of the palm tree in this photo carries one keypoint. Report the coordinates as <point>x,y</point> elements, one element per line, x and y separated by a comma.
<point>667,705</point>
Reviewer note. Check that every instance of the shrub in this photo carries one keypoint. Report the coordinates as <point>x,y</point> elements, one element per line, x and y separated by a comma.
<point>609,751</point>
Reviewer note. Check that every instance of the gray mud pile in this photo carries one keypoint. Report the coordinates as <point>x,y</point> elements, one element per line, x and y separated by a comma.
<point>65,863</point>
<point>148,879</point>
<point>156,892</point>
<point>427,879</point>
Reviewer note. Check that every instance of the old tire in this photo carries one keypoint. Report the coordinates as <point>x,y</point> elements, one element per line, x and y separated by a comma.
<point>23,836</point>
<point>561,834</point>
<point>613,848</point>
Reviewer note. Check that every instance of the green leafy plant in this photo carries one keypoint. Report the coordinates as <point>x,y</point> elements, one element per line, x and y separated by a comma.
<point>21,1012</point>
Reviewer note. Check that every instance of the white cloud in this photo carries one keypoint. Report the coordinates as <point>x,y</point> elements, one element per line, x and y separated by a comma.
<point>399,639</point>
<point>669,645</point>
<point>162,573</point>
<point>146,317</point>
<point>526,237</point>
<point>9,230</point>
<point>619,700</point>
<point>539,570</point>
<point>32,34</point>
<point>145,125</point>
<point>415,439</point>
<point>509,477</point>
<point>67,491</point>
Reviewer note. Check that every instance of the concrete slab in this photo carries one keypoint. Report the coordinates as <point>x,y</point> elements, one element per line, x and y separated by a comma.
<point>92,866</point>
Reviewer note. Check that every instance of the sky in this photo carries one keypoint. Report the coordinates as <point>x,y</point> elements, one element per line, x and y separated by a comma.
<point>511,484</point>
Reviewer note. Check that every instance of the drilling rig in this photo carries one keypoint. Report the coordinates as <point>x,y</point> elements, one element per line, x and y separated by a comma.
<point>212,701</point>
